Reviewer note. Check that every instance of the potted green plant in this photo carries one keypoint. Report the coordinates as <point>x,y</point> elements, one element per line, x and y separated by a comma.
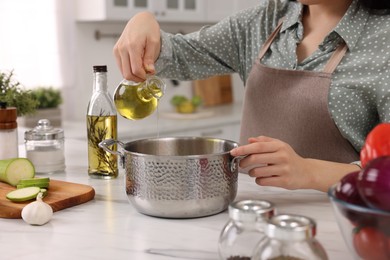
<point>49,100</point>
<point>14,95</point>
<point>47,97</point>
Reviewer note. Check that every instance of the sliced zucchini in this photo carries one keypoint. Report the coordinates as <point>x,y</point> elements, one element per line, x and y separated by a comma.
<point>34,180</point>
<point>23,194</point>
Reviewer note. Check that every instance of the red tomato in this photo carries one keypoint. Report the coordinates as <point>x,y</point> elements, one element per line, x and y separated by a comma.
<point>371,244</point>
<point>377,143</point>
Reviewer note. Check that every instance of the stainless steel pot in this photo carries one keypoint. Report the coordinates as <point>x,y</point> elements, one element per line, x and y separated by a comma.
<point>178,177</point>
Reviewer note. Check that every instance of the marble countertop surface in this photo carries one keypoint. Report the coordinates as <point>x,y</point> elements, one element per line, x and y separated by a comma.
<point>109,227</point>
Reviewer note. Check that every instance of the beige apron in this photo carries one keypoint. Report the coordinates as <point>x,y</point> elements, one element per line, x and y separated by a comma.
<point>292,106</point>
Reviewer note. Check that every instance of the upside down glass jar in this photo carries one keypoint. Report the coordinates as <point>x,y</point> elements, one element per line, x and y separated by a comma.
<point>45,147</point>
<point>290,237</point>
<point>244,230</point>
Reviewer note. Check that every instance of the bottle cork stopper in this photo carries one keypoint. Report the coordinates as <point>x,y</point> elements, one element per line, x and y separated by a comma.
<point>8,117</point>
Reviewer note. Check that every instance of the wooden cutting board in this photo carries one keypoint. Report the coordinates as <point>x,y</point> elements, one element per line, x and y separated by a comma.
<point>215,90</point>
<point>60,195</point>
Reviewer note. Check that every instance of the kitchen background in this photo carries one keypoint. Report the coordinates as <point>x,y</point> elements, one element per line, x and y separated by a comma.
<point>56,43</point>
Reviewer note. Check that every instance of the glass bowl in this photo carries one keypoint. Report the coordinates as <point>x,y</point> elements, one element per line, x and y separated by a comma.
<point>365,230</point>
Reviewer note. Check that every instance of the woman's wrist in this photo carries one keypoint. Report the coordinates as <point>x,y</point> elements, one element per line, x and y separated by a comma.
<point>324,174</point>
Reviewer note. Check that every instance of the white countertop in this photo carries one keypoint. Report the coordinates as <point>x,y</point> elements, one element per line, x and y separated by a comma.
<point>109,227</point>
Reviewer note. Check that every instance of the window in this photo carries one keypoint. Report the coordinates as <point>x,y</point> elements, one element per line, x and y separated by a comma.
<point>33,41</point>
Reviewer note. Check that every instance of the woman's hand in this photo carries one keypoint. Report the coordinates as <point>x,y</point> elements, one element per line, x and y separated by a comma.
<point>138,47</point>
<point>283,167</point>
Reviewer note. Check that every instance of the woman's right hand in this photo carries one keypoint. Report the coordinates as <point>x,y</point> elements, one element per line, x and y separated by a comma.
<point>138,47</point>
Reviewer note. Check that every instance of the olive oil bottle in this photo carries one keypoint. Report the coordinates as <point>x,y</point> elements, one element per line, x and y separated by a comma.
<point>138,100</point>
<point>101,125</point>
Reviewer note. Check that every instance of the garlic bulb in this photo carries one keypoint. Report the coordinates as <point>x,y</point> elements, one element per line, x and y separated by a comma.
<point>37,212</point>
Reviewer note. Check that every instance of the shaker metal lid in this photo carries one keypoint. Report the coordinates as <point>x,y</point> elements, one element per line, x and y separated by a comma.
<point>44,131</point>
<point>290,227</point>
<point>251,210</point>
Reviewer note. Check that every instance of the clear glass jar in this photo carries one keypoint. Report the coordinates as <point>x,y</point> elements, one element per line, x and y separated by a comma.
<point>244,230</point>
<point>290,237</point>
<point>45,147</point>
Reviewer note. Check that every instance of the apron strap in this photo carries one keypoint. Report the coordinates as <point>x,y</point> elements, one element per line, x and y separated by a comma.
<point>270,39</point>
<point>330,66</point>
<point>336,58</point>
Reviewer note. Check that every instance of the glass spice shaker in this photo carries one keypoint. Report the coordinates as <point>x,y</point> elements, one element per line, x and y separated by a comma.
<point>290,237</point>
<point>244,230</point>
<point>8,132</point>
<point>45,147</point>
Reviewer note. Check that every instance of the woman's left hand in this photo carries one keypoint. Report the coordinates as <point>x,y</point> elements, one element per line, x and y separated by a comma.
<point>283,167</point>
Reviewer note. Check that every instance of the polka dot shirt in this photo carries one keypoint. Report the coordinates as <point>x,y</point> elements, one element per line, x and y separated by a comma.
<point>359,96</point>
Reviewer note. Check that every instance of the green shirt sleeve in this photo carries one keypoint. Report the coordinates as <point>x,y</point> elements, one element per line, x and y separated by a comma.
<point>210,51</point>
<point>229,46</point>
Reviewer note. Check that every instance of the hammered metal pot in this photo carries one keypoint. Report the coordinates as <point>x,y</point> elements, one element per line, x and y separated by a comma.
<point>178,177</point>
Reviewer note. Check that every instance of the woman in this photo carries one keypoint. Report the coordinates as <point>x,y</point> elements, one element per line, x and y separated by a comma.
<point>316,73</point>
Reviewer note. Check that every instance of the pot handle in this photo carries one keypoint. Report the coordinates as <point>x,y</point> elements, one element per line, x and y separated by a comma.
<point>235,161</point>
<point>105,144</point>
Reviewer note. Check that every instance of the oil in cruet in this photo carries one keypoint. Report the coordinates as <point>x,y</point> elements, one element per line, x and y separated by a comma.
<point>138,100</point>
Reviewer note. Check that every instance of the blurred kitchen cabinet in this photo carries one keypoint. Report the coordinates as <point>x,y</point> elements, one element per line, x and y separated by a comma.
<point>122,10</point>
<point>179,10</point>
<point>244,4</point>
<point>219,9</point>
